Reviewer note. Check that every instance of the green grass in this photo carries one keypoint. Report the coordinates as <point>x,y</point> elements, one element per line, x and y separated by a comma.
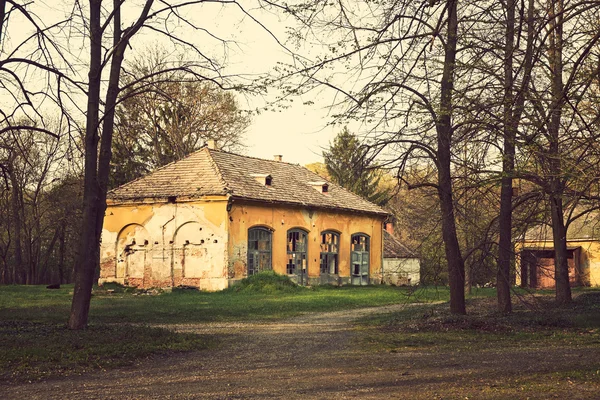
<point>38,304</point>
<point>33,350</point>
<point>538,351</point>
<point>37,344</point>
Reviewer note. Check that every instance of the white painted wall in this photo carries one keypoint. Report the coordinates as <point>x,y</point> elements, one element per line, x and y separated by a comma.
<point>401,271</point>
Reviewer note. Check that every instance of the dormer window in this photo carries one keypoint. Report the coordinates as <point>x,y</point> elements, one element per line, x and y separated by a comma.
<point>320,186</point>
<point>263,179</point>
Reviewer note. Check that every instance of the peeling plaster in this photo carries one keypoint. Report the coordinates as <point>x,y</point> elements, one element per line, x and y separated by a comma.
<point>201,244</point>
<point>166,244</point>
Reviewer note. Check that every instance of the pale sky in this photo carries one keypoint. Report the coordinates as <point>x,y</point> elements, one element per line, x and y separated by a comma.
<point>299,133</point>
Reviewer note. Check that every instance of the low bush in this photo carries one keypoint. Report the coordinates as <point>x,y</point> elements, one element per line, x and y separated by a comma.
<point>266,282</point>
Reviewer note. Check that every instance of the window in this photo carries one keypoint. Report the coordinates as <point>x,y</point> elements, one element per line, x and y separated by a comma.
<point>330,243</point>
<point>259,250</point>
<point>263,179</point>
<point>359,258</point>
<point>296,252</point>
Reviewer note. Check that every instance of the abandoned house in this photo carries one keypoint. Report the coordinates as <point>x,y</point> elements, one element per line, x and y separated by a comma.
<point>215,217</point>
<point>535,255</point>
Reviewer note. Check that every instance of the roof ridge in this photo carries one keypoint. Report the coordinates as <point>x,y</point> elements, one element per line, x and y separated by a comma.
<point>254,158</point>
<point>399,243</point>
<point>215,166</point>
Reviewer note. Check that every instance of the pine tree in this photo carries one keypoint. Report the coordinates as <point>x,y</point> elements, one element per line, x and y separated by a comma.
<point>348,166</point>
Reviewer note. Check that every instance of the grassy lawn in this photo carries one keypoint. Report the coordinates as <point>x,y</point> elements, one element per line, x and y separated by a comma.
<point>36,343</point>
<point>38,304</point>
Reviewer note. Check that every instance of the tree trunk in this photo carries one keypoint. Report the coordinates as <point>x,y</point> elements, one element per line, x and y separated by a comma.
<point>561,264</point>
<point>456,267</point>
<point>61,254</point>
<point>17,224</point>
<point>43,273</point>
<point>97,169</point>
<point>508,165</point>
<point>561,276</point>
<point>88,256</point>
<point>119,44</point>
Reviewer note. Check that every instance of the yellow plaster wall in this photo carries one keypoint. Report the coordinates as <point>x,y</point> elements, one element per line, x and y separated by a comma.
<point>164,236</point>
<point>281,218</point>
<point>589,262</point>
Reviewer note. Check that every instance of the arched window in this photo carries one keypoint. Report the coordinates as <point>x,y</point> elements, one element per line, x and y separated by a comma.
<point>297,244</point>
<point>359,258</point>
<point>259,250</point>
<point>330,244</point>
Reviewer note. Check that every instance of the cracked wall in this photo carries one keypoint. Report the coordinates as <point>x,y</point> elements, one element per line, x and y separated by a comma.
<point>166,244</point>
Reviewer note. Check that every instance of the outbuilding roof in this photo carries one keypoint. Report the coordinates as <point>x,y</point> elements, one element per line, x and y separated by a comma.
<point>393,248</point>
<point>586,227</point>
<point>215,172</point>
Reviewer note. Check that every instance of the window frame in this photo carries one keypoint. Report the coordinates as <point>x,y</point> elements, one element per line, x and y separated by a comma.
<point>255,254</point>
<point>325,256</point>
<point>363,256</point>
<point>293,253</point>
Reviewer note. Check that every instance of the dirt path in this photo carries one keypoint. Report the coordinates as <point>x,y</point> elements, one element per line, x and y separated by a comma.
<point>312,356</point>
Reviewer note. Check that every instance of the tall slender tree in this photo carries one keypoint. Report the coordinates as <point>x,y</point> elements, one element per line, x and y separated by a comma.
<point>348,165</point>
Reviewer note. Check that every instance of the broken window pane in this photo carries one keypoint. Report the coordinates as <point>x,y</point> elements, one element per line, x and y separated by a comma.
<point>360,256</point>
<point>259,250</point>
<point>329,252</point>
<point>296,251</point>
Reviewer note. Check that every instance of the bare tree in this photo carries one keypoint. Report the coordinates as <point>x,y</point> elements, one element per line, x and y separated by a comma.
<point>31,68</point>
<point>169,116</point>
<point>404,84</point>
<point>34,163</point>
<point>560,136</point>
<point>109,40</point>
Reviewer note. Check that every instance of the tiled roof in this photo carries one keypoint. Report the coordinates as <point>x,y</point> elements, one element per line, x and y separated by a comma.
<point>214,172</point>
<point>392,248</point>
<point>586,227</point>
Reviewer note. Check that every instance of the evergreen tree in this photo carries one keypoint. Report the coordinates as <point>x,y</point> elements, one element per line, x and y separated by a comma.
<point>348,166</point>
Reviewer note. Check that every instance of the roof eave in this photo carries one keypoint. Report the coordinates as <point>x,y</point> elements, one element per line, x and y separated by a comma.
<point>381,213</point>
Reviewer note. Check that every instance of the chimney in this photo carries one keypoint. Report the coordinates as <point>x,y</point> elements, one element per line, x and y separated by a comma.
<point>389,227</point>
<point>278,157</point>
<point>211,144</point>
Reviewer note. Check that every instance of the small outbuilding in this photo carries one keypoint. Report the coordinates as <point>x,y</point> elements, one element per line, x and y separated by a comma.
<point>535,255</point>
<point>401,267</point>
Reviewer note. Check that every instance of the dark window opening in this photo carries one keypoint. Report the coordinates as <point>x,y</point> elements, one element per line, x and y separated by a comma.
<point>297,245</point>
<point>259,250</point>
<point>268,180</point>
<point>330,242</point>
<point>359,259</point>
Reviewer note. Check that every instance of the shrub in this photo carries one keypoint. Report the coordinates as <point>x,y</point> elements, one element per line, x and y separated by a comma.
<point>266,282</point>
